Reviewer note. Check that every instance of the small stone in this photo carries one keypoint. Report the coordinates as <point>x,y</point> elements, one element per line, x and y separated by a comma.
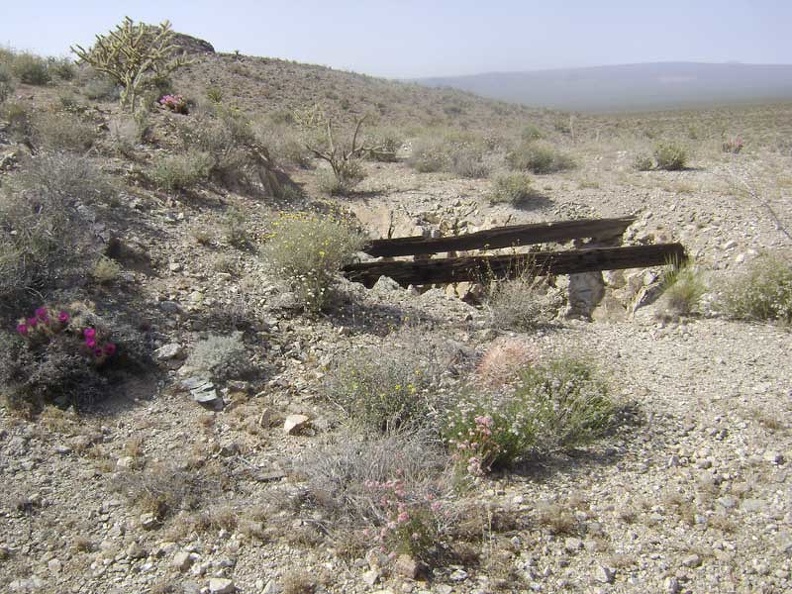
<point>221,586</point>
<point>170,307</point>
<point>175,267</point>
<point>691,561</point>
<point>604,575</point>
<point>136,551</point>
<point>371,577</point>
<point>54,565</point>
<point>125,462</point>
<point>148,521</point>
<point>182,560</point>
<point>573,544</point>
<point>458,575</point>
<point>773,457</point>
<point>295,424</point>
<point>729,245</point>
<point>169,351</point>
<point>406,566</point>
<point>672,585</point>
<point>62,449</point>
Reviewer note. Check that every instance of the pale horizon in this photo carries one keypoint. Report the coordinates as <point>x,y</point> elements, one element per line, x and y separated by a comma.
<point>414,39</point>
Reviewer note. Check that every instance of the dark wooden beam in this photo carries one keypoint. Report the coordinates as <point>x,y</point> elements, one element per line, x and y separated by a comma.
<point>479,268</point>
<point>502,237</point>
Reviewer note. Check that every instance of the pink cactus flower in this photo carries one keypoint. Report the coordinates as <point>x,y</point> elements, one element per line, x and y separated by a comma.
<point>89,333</point>
<point>63,317</point>
<point>22,328</point>
<point>110,349</point>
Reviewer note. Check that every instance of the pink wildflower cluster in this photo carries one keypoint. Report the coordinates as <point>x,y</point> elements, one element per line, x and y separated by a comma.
<point>409,519</point>
<point>174,103</point>
<point>45,324</point>
<point>476,449</point>
<point>733,145</point>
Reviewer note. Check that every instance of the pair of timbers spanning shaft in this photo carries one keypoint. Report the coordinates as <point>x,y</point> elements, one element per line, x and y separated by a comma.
<point>454,269</point>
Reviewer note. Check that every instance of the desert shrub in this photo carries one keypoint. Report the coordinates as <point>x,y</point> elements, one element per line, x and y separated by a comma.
<point>31,69</point>
<point>523,303</point>
<point>125,134</point>
<point>45,238</point>
<point>73,179</point>
<point>97,86</point>
<point>762,292</point>
<point>6,82</point>
<point>63,68</point>
<point>384,144</point>
<point>307,251</point>
<point>531,132</point>
<point>220,357</point>
<point>343,181</point>
<point>60,355</point>
<point>63,132</point>
<point>558,404</point>
<point>387,489</point>
<point>105,270</point>
<point>163,489</point>
<point>182,171</point>
<point>539,158</point>
<point>224,136</point>
<point>383,390</point>
<point>511,188</point>
<point>643,162</point>
<point>670,156</point>
<point>285,146</point>
<point>683,287</point>
<point>429,155</point>
<point>19,120</point>
<point>462,153</point>
<point>471,160</point>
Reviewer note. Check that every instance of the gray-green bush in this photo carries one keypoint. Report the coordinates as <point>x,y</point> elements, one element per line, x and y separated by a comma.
<point>670,156</point>
<point>306,251</point>
<point>539,158</point>
<point>763,292</point>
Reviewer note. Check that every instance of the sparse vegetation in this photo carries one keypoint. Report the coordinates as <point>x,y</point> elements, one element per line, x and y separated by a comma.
<point>557,404</point>
<point>511,188</point>
<point>683,287</point>
<point>182,171</point>
<point>539,158</point>
<point>670,156</point>
<point>763,292</point>
<point>523,303</point>
<point>31,69</point>
<point>135,56</point>
<point>220,357</point>
<point>307,251</point>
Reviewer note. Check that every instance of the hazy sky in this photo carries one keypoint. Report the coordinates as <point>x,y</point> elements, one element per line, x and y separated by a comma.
<point>412,38</point>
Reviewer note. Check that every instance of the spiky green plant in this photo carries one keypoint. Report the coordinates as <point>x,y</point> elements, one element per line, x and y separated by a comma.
<point>134,55</point>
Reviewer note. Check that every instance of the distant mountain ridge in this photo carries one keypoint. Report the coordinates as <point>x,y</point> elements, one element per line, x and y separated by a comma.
<point>630,86</point>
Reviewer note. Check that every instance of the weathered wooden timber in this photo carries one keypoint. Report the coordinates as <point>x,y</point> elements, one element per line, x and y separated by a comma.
<point>479,268</point>
<point>599,230</point>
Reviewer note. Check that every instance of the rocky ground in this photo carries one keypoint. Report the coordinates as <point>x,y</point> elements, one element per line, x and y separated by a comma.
<point>692,495</point>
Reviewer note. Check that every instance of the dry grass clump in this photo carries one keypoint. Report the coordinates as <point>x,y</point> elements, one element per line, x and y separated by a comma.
<point>63,131</point>
<point>762,293</point>
<point>462,153</point>
<point>6,82</point>
<point>523,303</point>
<point>181,172</point>
<point>539,157</point>
<point>683,287</point>
<point>389,388</point>
<point>670,156</point>
<point>31,69</point>
<point>306,251</point>
<point>163,489</point>
<point>511,188</point>
<point>386,490</point>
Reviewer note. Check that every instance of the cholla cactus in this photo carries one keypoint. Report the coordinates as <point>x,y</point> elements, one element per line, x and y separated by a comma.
<point>133,55</point>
